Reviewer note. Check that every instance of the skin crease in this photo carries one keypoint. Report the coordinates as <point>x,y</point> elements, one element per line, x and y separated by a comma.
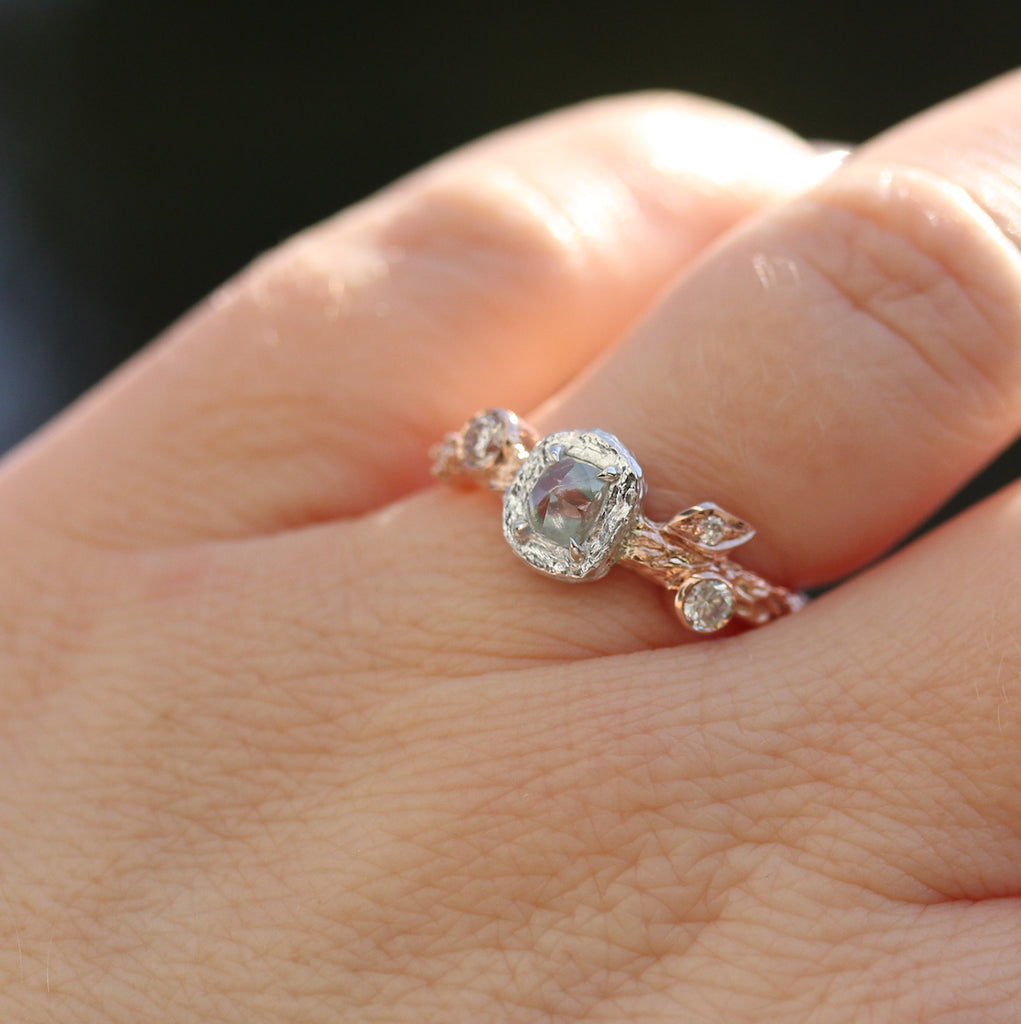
<point>289,735</point>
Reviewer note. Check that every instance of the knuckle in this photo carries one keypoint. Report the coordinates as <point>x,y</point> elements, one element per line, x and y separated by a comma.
<point>463,251</point>
<point>497,232</point>
<point>432,250</point>
<point>926,267</point>
<point>498,221</point>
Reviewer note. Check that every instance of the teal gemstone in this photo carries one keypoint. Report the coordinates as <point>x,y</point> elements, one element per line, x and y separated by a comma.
<point>566,501</point>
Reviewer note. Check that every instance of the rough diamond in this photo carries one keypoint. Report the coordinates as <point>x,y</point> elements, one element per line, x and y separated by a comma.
<point>566,501</point>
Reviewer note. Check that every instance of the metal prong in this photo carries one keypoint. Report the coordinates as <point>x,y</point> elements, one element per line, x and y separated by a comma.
<point>610,474</point>
<point>556,452</point>
<point>577,551</point>
<point>522,529</point>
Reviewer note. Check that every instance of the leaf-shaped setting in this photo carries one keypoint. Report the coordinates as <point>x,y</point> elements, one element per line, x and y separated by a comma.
<point>709,528</point>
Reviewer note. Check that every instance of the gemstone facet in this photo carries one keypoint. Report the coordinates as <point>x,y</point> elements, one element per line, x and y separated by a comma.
<point>566,501</point>
<point>706,603</point>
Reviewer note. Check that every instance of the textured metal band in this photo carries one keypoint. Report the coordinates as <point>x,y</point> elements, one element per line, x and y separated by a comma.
<point>686,555</point>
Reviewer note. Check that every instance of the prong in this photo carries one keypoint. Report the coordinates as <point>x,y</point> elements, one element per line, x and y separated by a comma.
<point>556,452</point>
<point>522,529</point>
<point>610,474</point>
<point>577,551</point>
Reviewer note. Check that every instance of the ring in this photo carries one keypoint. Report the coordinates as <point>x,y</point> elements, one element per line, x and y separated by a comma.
<point>572,508</point>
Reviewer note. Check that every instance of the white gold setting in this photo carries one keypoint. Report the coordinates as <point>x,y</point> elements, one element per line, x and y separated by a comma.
<point>572,509</point>
<point>582,539</point>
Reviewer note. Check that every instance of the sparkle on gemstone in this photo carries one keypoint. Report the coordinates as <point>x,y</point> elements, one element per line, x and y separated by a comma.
<point>483,440</point>
<point>707,605</point>
<point>566,501</point>
<point>711,530</point>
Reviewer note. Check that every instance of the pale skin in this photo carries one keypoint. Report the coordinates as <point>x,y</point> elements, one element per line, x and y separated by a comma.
<point>288,733</point>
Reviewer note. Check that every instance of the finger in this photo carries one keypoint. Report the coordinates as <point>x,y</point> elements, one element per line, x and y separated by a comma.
<point>910,699</point>
<point>311,387</point>
<point>664,818</point>
<point>847,361</point>
<point>762,788</point>
<point>828,373</point>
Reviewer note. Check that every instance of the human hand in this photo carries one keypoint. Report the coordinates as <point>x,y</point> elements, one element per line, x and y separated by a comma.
<point>289,734</point>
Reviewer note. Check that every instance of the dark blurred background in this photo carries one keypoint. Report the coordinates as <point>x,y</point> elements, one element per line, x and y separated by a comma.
<point>148,150</point>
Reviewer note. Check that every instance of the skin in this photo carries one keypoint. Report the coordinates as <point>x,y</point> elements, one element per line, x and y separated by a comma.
<point>289,735</point>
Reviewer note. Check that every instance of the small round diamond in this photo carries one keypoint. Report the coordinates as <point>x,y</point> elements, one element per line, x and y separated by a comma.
<point>706,604</point>
<point>711,530</point>
<point>483,441</point>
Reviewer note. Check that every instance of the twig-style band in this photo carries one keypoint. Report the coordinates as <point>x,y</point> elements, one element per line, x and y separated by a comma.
<point>572,508</point>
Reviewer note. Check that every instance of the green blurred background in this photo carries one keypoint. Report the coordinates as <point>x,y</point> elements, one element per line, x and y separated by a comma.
<point>147,150</point>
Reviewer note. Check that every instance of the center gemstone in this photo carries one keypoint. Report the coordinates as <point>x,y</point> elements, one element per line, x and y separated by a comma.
<point>566,500</point>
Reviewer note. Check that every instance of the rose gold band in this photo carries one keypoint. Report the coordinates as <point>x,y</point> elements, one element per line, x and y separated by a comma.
<point>572,508</point>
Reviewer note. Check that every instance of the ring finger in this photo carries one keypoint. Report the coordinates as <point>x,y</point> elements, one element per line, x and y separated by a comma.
<point>830,373</point>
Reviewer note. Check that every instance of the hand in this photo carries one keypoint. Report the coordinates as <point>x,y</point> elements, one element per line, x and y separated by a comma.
<point>289,734</point>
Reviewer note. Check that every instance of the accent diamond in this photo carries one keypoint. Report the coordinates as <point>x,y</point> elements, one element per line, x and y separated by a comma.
<point>483,440</point>
<point>707,604</point>
<point>711,530</point>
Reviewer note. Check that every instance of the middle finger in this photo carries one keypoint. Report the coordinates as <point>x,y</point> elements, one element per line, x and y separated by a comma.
<point>838,369</point>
